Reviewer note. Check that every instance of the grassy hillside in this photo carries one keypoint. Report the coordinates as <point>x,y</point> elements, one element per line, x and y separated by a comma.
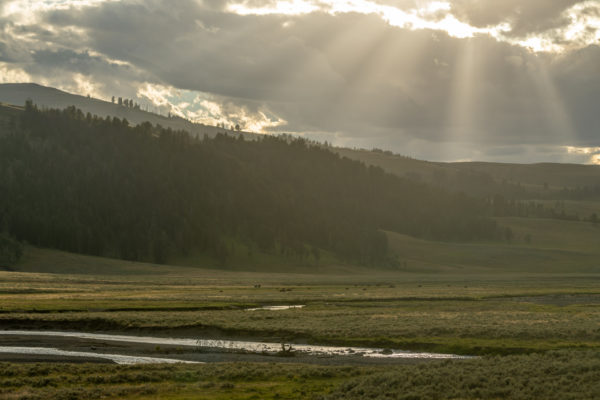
<point>555,175</point>
<point>543,178</point>
<point>397,164</point>
<point>582,208</point>
<point>534,245</point>
<point>47,97</point>
<point>537,246</point>
<point>43,260</point>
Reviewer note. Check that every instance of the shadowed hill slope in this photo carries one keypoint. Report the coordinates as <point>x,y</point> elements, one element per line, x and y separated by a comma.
<point>47,97</point>
<point>515,180</point>
<point>520,181</point>
<point>98,186</point>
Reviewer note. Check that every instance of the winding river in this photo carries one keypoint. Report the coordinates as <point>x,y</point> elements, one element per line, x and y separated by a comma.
<point>116,358</point>
<point>211,344</point>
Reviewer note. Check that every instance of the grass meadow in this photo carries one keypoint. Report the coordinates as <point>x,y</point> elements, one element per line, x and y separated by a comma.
<point>552,375</point>
<point>529,310</point>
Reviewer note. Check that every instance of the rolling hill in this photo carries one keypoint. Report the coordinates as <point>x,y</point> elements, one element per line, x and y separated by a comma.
<point>533,243</point>
<point>100,186</point>
<point>526,181</point>
<point>47,97</point>
<point>520,181</point>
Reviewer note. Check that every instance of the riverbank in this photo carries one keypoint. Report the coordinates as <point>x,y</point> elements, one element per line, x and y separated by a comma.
<point>556,375</point>
<point>168,349</point>
<point>535,336</point>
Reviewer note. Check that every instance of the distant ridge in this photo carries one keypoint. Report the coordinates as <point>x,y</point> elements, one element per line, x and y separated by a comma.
<point>475,178</point>
<point>536,176</point>
<point>48,97</point>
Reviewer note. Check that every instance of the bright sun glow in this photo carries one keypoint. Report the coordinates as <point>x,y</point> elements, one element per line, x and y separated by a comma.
<point>11,75</point>
<point>539,44</point>
<point>593,153</point>
<point>28,11</point>
<point>203,108</point>
<point>583,29</point>
<point>288,7</point>
<point>425,17</point>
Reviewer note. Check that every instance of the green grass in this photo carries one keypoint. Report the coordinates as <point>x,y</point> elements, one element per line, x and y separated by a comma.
<point>554,375</point>
<point>243,258</point>
<point>467,327</point>
<point>551,234</point>
<point>38,260</point>
<point>215,381</point>
<point>583,209</point>
<point>534,304</point>
<point>60,262</point>
<point>467,314</point>
<point>530,307</point>
<point>539,245</point>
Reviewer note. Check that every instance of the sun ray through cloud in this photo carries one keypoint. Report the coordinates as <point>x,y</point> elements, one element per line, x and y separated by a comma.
<point>462,102</point>
<point>583,29</point>
<point>559,125</point>
<point>375,71</point>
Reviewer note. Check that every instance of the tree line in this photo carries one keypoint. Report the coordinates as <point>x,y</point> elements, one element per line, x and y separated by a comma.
<point>86,184</point>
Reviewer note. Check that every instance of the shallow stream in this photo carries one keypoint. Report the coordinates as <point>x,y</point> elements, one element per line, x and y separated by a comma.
<point>116,358</point>
<point>229,345</point>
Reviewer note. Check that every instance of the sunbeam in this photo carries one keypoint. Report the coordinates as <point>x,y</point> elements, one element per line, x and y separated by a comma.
<point>462,101</point>
<point>559,125</point>
<point>583,29</point>
<point>360,68</point>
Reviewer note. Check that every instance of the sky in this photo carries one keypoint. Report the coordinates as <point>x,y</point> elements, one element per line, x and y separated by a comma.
<point>455,80</point>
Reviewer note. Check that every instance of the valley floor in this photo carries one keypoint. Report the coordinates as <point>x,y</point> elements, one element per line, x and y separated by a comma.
<point>536,334</point>
<point>554,375</point>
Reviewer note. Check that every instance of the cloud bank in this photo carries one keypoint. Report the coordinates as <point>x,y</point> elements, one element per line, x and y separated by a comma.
<point>460,80</point>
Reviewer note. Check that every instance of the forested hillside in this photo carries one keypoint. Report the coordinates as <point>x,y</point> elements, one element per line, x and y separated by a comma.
<point>98,186</point>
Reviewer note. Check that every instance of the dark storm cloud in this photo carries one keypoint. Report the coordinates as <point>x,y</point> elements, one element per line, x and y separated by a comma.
<point>350,74</point>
